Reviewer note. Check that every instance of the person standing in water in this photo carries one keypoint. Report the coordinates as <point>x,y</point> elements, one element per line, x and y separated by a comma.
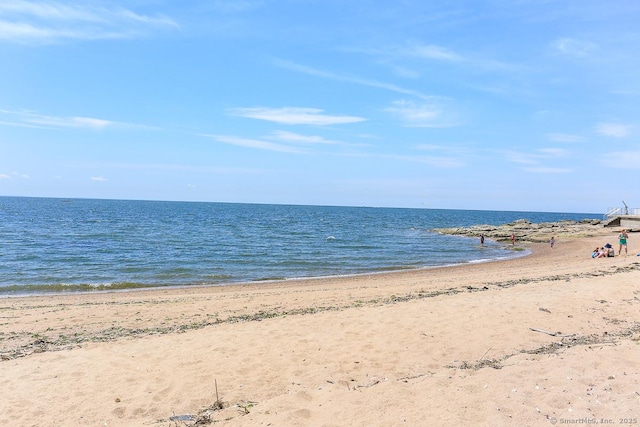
<point>482,240</point>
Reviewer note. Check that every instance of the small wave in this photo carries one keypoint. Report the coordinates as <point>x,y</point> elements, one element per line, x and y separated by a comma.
<point>57,288</point>
<point>481,260</point>
<point>269,279</point>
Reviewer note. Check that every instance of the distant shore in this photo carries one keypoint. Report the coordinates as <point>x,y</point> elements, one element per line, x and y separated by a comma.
<point>551,336</point>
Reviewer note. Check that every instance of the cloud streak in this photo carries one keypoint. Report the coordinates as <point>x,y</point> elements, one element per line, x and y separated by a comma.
<point>349,79</point>
<point>47,21</point>
<point>29,119</point>
<point>428,115</point>
<point>533,160</point>
<point>573,47</point>
<point>294,116</point>
<point>623,160</point>
<point>615,130</point>
<point>253,143</point>
<point>564,137</point>
<point>296,138</point>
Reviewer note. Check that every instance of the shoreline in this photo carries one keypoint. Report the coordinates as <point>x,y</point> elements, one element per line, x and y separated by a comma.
<point>524,252</point>
<point>71,289</point>
<point>441,345</point>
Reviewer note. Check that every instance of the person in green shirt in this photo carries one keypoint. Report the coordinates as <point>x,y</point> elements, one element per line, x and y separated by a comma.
<point>623,242</point>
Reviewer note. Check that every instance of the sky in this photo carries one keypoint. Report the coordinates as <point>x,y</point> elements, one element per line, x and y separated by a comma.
<point>466,104</point>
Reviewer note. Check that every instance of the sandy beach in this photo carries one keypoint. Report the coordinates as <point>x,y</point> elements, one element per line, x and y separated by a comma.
<point>550,338</point>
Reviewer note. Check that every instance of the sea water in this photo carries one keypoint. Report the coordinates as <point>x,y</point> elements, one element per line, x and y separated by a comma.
<point>70,245</point>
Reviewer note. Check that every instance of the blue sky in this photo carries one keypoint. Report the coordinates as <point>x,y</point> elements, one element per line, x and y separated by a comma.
<point>500,105</point>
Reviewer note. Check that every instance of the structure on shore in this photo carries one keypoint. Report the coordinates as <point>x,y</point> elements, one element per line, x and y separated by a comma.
<point>622,217</point>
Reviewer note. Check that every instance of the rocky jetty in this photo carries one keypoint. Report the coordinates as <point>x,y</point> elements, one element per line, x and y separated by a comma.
<point>526,231</point>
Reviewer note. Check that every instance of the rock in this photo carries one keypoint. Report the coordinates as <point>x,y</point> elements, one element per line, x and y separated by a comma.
<point>526,231</point>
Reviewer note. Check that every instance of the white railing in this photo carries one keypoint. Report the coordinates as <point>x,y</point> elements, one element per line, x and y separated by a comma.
<point>613,212</point>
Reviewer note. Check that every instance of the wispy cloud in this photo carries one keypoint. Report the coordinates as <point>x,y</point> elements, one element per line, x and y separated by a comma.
<point>544,169</point>
<point>451,149</point>
<point>14,175</point>
<point>552,152</point>
<point>433,52</point>
<point>436,161</point>
<point>350,79</point>
<point>623,159</point>
<point>297,138</point>
<point>564,137</point>
<point>615,130</point>
<point>49,21</point>
<point>71,122</point>
<point>99,179</point>
<point>573,47</point>
<point>409,60</point>
<point>254,143</point>
<point>428,115</point>
<point>30,119</point>
<point>415,50</point>
<point>294,116</point>
<point>537,160</point>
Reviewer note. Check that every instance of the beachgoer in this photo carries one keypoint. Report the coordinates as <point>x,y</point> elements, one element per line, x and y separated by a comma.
<point>552,241</point>
<point>610,251</point>
<point>602,253</point>
<point>513,239</point>
<point>482,240</point>
<point>623,242</point>
<point>595,253</point>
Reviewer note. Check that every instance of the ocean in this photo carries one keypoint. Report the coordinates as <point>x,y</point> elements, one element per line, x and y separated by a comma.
<point>84,245</point>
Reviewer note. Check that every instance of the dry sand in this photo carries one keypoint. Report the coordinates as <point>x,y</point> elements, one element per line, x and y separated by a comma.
<point>553,337</point>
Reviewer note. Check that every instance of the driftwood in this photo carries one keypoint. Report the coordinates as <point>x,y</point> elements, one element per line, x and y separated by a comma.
<point>553,334</point>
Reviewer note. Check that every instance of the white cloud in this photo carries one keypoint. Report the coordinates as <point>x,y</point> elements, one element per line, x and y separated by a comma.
<point>30,119</point>
<point>564,137</point>
<point>573,47</point>
<point>253,143</point>
<point>399,58</point>
<point>615,130</point>
<point>14,175</point>
<point>294,116</point>
<point>300,139</point>
<point>543,169</point>
<point>71,122</point>
<point>99,179</point>
<point>437,161</point>
<point>623,160</point>
<point>434,52</point>
<point>431,115</point>
<point>443,162</point>
<point>535,158</point>
<point>519,157</point>
<point>350,79</point>
<point>47,21</point>
<point>553,152</point>
<point>457,150</point>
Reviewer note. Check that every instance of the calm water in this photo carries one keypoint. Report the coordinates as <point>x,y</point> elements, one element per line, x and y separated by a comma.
<point>55,245</point>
